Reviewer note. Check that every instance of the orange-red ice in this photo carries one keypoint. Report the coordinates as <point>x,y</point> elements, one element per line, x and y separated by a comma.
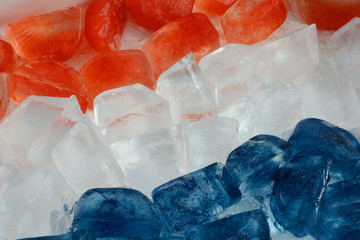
<point>46,77</point>
<point>56,35</point>
<point>116,69</point>
<point>7,57</point>
<point>328,14</point>
<point>251,21</point>
<point>104,24</point>
<point>153,14</point>
<point>214,7</point>
<point>4,94</point>
<point>191,34</point>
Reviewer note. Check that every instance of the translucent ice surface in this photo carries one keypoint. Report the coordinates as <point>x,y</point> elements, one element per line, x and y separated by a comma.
<point>42,122</point>
<point>256,114</point>
<point>127,111</point>
<point>207,146</point>
<point>153,158</point>
<point>85,159</point>
<point>184,86</point>
<point>14,10</point>
<point>35,204</point>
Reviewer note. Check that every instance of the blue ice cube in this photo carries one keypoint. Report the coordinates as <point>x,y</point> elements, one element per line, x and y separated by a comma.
<point>245,225</point>
<point>323,138</point>
<point>116,212</point>
<point>339,216</point>
<point>254,164</point>
<point>297,192</point>
<point>194,198</point>
<point>78,235</point>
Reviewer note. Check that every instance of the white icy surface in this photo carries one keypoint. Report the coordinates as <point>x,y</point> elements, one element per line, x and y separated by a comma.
<point>189,95</point>
<point>273,110</point>
<point>127,111</point>
<point>35,204</point>
<point>211,140</point>
<point>86,160</point>
<point>37,125</point>
<point>151,159</point>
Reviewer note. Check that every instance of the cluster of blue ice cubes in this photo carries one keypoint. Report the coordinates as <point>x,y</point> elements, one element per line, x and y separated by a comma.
<point>308,185</point>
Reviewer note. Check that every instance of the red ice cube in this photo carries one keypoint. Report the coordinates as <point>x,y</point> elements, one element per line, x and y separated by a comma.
<point>328,14</point>
<point>46,77</point>
<point>7,57</point>
<point>251,21</point>
<point>214,7</point>
<point>153,14</point>
<point>57,34</point>
<point>191,34</point>
<point>4,94</point>
<point>104,24</point>
<point>116,69</point>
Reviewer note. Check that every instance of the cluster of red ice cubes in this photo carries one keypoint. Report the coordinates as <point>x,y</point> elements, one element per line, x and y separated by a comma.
<point>39,44</point>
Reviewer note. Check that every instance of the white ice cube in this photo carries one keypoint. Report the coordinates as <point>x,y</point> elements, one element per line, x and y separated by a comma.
<point>127,111</point>
<point>291,56</point>
<point>273,110</point>
<point>85,159</point>
<point>211,140</point>
<point>184,86</point>
<point>37,125</point>
<point>151,159</point>
<point>35,204</point>
<point>329,95</point>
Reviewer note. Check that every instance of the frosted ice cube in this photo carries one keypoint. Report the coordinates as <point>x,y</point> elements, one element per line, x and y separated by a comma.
<point>151,159</point>
<point>289,26</point>
<point>211,140</point>
<point>35,204</point>
<point>127,111</point>
<point>11,161</point>
<point>330,96</point>
<point>291,56</point>
<point>232,73</point>
<point>344,47</point>
<point>14,10</point>
<point>271,111</point>
<point>85,159</point>
<point>184,86</point>
<point>31,127</point>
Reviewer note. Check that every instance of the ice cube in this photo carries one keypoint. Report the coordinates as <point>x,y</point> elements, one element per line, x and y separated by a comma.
<point>116,213</point>
<point>42,122</point>
<point>11,11</point>
<point>211,140</point>
<point>233,73</point>
<point>153,158</point>
<point>253,165</point>
<point>184,86</point>
<point>340,211</point>
<point>78,235</point>
<point>245,225</point>
<point>195,198</point>
<point>35,204</point>
<point>328,94</point>
<point>323,138</point>
<point>297,192</point>
<point>291,56</point>
<point>343,46</point>
<point>127,111</point>
<point>85,159</point>
<point>4,94</point>
<point>11,161</point>
<point>273,111</point>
